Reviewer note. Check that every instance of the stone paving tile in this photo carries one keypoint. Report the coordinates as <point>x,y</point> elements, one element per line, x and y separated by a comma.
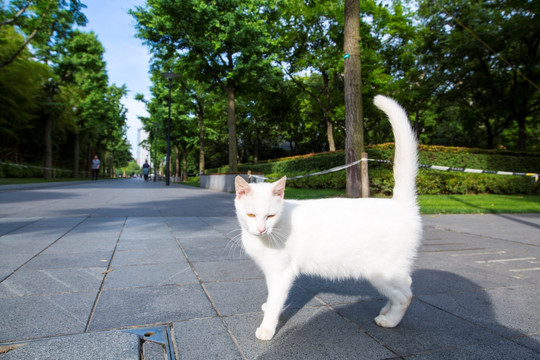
<point>76,244</point>
<point>531,341</point>
<point>503,349</point>
<point>69,260</point>
<point>311,333</point>
<point>150,305</point>
<point>52,281</point>
<point>338,292</point>
<point>12,262</point>
<point>227,253</point>
<point>501,309</point>
<point>26,317</point>
<point>22,245</point>
<point>202,339</point>
<point>148,257</point>
<point>236,297</point>
<point>154,242</point>
<point>228,226</point>
<point>112,345</point>
<point>4,274</point>
<point>149,275</point>
<point>424,327</point>
<point>227,270</point>
<point>191,227</point>
<point>461,279</point>
<point>469,302</point>
<point>498,226</point>
<point>11,224</point>
<point>217,241</point>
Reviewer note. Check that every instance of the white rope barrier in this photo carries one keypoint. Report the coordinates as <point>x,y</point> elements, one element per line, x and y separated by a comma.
<point>535,176</point>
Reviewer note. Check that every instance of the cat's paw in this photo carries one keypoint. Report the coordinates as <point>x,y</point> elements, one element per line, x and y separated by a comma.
<point>263,307</point>
<point>264,334</point>
<point>384,322</point>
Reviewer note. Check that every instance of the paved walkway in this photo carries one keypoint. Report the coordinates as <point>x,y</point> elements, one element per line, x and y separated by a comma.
<point>93,270</point>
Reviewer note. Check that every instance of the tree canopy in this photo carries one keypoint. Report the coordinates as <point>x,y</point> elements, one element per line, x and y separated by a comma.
<point>264,79</point>
<point>467,73</point>
<point>57,105</point>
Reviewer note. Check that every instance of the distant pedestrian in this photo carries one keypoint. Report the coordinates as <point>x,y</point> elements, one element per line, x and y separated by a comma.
<point>146,170</point>
<point>95,167</point>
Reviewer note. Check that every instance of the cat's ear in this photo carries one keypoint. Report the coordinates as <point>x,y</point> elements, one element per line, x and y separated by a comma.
<point>241,186</point>
<point>279,187</point>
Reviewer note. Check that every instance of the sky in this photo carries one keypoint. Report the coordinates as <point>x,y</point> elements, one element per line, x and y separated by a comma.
<point>126,57</point>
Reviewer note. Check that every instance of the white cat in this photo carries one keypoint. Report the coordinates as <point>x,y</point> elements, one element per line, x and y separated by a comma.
<point>373,239</point>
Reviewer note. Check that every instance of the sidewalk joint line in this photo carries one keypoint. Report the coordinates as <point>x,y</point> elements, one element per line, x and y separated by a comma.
<point>105,274</point>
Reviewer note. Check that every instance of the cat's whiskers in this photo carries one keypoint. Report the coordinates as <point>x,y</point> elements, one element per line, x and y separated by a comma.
<point>276,238</point>
<point>235,243</point>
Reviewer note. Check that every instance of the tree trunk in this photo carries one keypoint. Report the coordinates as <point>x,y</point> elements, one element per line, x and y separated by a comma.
<point>177,161</point>
<point>489,133</point>
<point>329,111</point>
<point>111,166</point>
<point>201,143</point>
<point>231,122</point>
<point>48,147</point>
<point>354,140</point>
<point>522,134</point>
<point>77,143</point>
<point>184,165</point>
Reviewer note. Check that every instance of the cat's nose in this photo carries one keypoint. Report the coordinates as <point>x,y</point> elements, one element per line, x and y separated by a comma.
<point>261,231</point>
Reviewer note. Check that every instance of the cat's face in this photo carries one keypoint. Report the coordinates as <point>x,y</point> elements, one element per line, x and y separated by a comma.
<point>258,206</point>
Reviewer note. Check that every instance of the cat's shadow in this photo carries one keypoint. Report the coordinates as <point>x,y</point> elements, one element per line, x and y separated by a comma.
<point>316,291</point>
<point>447,311</point>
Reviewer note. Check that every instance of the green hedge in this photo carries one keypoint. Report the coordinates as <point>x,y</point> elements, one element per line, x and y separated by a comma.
<point>27,171</point>
<point>428,182</point>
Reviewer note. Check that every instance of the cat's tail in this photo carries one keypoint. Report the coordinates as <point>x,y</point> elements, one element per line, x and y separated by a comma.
<point>406,155</point>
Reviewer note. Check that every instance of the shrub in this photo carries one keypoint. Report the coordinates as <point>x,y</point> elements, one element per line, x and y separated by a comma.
<point>28,171</point>
<point>428,182</point>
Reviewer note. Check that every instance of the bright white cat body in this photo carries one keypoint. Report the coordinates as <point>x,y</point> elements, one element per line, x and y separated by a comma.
<point>373,239</point>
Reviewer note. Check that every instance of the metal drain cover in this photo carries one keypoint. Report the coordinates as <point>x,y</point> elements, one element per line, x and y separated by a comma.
<point>156,342</point>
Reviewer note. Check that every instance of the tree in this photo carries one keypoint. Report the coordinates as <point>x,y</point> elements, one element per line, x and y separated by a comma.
<point>84,68</point>
<point>312,36</point>
<point>20,87</point>
<point>354,142</point>
<point>228,42</point>
<point>42,21</point>
<point>490,54</point>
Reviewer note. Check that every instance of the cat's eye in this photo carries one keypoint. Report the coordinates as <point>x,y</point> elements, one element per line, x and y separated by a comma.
<point>251,215</point>
<point>270,216</point>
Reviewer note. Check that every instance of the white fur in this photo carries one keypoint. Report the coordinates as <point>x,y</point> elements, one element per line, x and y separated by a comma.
<point>374,239</point>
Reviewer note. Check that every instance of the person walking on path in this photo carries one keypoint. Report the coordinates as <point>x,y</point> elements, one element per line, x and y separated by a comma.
<point>146,170</point>
<point>95,167</point>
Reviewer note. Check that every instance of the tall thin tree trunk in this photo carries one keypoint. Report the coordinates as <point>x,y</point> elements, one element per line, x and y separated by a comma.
<point>111,166</point>
<point>522,134</point>
<point>354,127</point>
<point>328,113</point>
<point>184,165</point>
<point>201,143</point>
<point>177,161</point>
<point>231,122</point>
<point>76,150</point>
<point>48,147</point>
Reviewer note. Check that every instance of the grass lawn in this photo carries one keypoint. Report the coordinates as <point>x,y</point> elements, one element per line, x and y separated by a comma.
<point>479,204</point>
<point>447,204</point>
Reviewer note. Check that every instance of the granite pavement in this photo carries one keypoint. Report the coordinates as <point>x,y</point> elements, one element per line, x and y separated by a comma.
<point>126,269</point>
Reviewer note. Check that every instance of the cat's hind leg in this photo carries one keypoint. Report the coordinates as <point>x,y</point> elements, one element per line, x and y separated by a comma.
<point>398,291</point>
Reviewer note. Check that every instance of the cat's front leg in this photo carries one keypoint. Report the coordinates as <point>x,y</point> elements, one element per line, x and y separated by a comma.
<point>279,285</point>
